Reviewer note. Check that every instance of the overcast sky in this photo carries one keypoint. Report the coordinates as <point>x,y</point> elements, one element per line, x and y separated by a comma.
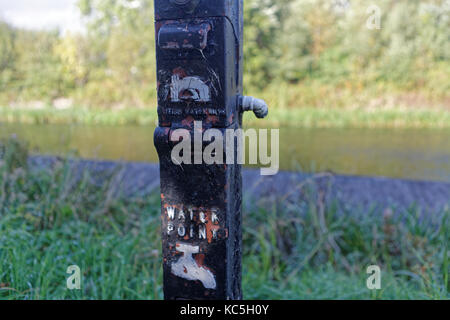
<point>41,14</point>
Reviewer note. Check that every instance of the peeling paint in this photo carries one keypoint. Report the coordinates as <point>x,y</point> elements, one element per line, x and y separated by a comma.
<point>189,88</point>
<point>188,268</point>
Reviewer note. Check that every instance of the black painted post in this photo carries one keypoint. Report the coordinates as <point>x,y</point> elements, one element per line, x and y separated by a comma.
<point>199,65</point>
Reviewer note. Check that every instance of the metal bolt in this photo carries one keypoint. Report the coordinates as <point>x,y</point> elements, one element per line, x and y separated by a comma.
<point>188,5</point>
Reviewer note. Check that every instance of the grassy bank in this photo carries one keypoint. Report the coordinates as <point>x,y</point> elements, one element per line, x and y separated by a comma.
<point>302,117</point>
<point>50,220</point>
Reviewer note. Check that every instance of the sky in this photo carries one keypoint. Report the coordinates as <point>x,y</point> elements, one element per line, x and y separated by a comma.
<point>42,14</point>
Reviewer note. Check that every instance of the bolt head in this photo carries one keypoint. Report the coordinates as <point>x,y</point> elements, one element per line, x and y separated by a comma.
<point>187,5</point>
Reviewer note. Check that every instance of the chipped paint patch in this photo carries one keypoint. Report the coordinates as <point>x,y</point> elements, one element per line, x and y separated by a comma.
<point>188,268</point>
<point>189,88</point>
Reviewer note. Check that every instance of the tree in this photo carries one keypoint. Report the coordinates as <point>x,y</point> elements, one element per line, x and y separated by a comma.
<point>6,46</point>
<point>124,49</point>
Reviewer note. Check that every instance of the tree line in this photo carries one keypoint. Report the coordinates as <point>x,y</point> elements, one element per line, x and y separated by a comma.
<point>297,52</point>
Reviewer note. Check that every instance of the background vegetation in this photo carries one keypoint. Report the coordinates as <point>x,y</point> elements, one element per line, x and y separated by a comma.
<point>54,217</point>
<point>300,54</point>
<point>314,61</point>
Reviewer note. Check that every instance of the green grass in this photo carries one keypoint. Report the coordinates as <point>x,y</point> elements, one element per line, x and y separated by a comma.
<point>295,117</point>
<point>50,219</point>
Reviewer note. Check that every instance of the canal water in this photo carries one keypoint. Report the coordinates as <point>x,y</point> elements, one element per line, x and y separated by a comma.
<point>418,154</point>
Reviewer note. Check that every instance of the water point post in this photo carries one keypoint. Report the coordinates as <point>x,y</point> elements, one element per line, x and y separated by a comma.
<point>199,69</point>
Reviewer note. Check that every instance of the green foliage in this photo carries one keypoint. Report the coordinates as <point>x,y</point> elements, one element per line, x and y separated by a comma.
<point>30,70</point>
<point>53,217</point>
<point>6,47</point>
<point>124,46</point>
<point>298,53</point>
<point>305,117</point>
<point>13,154</point>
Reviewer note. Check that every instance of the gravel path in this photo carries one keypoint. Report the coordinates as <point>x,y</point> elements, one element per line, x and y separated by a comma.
<point>353,192</point>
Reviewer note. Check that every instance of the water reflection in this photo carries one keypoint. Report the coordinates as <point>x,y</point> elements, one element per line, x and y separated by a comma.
<point>422,154</point>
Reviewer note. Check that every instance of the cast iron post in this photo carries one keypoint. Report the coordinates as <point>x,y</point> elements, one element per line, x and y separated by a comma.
<point>199,65</point>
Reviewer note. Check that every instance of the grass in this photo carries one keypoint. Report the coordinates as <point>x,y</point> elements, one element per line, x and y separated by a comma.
<point>298,117</point>
<point>51,219</point>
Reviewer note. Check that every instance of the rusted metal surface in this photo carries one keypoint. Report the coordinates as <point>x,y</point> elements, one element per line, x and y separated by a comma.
<point>199,63</point>
<point>178,36</point>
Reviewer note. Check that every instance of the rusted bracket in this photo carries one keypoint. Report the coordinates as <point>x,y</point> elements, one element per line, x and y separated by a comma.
<point>199,68</point>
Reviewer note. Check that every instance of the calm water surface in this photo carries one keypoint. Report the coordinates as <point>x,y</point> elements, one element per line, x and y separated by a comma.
<point>421,154</point>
